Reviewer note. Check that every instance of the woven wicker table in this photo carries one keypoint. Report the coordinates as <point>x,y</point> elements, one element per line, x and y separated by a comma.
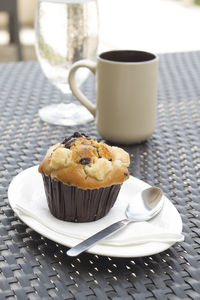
<point>33,267</point>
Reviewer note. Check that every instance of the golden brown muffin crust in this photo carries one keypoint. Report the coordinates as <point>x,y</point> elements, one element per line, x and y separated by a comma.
<point>85,163</point>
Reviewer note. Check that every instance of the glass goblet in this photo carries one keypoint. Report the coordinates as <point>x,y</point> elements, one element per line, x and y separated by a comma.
<point>66,31</point>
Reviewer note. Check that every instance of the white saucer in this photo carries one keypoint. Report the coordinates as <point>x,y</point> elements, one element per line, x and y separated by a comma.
<point>27,187</point>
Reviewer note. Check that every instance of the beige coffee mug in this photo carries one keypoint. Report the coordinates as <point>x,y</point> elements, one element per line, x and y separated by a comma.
<point>126,88</point>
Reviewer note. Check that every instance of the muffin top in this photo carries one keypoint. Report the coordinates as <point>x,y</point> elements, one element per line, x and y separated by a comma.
<point>85,163</point>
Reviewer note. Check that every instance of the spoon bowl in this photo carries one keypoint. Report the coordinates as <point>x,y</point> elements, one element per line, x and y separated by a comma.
<point>145,205</point>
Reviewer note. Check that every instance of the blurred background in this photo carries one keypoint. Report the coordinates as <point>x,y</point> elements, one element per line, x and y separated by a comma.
<point>159,26</point>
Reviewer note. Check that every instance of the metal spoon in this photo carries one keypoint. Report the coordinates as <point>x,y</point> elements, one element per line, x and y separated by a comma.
<point>143,207</point>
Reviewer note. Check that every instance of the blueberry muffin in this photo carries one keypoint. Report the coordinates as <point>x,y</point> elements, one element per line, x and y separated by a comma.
<point>82,177</point>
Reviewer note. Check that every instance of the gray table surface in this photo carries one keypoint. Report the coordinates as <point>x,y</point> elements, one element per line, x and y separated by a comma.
<point>34,267</point>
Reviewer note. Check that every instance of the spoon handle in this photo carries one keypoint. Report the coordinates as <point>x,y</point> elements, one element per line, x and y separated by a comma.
<point>86,244</point>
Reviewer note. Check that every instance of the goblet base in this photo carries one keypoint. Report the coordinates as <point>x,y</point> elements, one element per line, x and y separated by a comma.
<point>65,114</point>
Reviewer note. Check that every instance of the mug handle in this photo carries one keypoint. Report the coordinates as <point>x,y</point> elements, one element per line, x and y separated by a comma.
<point>72,82</point>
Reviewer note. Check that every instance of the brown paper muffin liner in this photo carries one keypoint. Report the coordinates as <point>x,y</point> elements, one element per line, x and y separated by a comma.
<point>72,204</point>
